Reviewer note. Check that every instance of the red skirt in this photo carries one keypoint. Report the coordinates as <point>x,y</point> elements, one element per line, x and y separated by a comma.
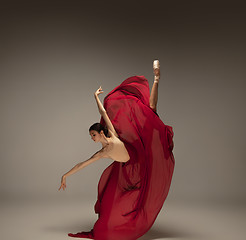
<point>131,194</point>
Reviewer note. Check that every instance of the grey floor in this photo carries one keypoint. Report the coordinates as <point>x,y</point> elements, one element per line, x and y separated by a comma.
<point>53,219</point>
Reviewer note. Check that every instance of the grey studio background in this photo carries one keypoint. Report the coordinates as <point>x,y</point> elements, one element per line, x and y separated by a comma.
<point>55,54</point>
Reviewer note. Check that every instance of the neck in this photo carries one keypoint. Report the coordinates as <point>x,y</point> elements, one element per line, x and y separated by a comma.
<point>104,141</point>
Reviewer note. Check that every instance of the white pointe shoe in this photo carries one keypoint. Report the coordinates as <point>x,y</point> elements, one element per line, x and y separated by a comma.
<point>156,68</point>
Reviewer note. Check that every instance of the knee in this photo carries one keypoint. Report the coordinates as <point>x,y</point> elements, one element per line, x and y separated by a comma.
<point>153,108</point>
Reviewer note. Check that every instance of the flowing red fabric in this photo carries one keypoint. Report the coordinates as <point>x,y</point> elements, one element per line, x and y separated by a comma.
<point>131,194</point>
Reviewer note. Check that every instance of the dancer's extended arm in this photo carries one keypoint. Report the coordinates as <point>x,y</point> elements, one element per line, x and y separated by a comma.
<point>103,112</point>
<point>98,155</point>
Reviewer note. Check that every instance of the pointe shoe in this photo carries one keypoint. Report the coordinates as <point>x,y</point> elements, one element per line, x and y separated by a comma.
<point>156,64</point>
<point>156,68</point>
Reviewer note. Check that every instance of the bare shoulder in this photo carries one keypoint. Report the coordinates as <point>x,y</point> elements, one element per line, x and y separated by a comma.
<point>102,153</point>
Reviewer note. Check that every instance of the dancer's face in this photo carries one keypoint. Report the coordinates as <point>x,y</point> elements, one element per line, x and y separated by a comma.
<point>95,136</point>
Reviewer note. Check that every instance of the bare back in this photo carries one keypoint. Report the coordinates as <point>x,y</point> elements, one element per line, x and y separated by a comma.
<point>116,149</point>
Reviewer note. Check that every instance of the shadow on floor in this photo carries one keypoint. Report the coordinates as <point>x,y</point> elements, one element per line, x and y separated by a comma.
<point>73,228</point>
<point>156,233</point>
<point>152,234</point>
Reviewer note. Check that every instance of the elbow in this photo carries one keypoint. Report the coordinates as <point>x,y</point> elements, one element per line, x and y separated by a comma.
<point>80,166</point>
<point>102,111</point>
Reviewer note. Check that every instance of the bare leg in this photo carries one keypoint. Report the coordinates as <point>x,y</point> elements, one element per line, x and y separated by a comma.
<point>154,91</point>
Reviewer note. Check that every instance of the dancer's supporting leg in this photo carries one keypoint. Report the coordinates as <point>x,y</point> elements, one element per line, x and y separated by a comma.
<point>154,91</point>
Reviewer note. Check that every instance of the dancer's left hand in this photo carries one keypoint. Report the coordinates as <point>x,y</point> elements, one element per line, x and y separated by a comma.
<point>63,183</point>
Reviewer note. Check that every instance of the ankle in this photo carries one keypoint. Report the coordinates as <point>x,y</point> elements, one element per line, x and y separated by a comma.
<point>157,77</point>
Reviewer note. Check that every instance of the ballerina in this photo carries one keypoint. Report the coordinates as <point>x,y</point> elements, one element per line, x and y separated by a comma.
<point>134,187</point>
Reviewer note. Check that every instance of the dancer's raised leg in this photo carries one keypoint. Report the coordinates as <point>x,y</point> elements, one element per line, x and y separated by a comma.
<point>154,91</point>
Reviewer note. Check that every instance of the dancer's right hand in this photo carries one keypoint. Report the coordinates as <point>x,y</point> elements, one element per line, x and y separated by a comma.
<point>98,91</point>
<point>63,183</point>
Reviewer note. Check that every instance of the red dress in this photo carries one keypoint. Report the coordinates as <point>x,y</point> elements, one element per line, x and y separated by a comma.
<point>131,194</point>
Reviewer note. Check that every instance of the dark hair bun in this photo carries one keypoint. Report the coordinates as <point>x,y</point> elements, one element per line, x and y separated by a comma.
<point>99,127</point>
